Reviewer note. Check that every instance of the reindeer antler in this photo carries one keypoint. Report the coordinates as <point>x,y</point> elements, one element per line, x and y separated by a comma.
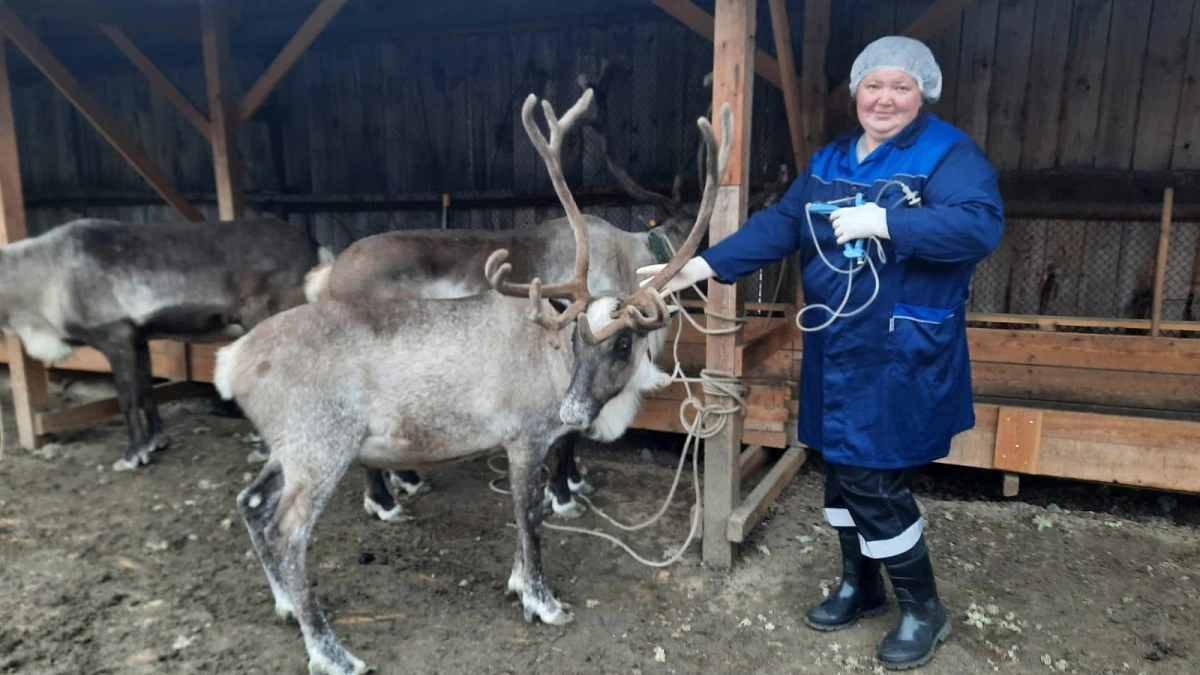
<point>645,309</point>
<point>496,269</point>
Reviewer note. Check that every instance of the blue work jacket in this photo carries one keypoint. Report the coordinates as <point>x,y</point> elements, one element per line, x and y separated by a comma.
<point>890,386</point>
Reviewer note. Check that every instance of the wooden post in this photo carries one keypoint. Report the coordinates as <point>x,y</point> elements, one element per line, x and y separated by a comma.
<point>222,111</point>
<point>27,376</point>
<point>791,87</point>
<point>733,58</point>
<point>1160,267</point>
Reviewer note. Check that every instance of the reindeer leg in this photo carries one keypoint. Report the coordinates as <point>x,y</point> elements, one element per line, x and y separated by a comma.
<point>306,488</point>
<point>409,481</point>
<point>377,501</point>
<point>258,504</point>
<point>149,406</point>
<point>117,343</point>
<point>559,494</point>
<point>527,580</point>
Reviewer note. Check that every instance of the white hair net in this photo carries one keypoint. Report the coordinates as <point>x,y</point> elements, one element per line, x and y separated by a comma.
<point>901,53</point>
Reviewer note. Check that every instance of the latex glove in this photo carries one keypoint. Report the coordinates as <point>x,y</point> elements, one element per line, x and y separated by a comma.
<point>859,222</point>
<point>693,271</point>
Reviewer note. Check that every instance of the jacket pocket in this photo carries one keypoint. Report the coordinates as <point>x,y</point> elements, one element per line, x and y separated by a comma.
<point>922,350</point>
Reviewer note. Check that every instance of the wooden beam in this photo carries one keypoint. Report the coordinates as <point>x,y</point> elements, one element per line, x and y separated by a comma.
<point>817,14</point>
<point>27,377</point>
<point>1160,265</point>
<point>94,113</point>
<point>692,16</point>
<point>1052,322</point>
<point>223,132</point>
<point>746,516</point>
<point>754,353</point>
<point>291,52</point>
<point>753,457</point>
<point>733,53</point>
<point>69,418</point>
<point>932,21</point>
<point>158,81</point>
<point>790,85</point>
<point>1137,353</point>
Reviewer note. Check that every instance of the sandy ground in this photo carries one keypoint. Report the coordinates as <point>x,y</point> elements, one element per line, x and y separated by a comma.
<point>150,572</point>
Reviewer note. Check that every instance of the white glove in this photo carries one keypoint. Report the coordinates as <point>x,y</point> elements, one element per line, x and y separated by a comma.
<point>693,271</point>
<point>859,222</point>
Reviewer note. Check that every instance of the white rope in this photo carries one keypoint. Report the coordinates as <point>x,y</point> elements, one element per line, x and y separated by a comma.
<point>708,421</point>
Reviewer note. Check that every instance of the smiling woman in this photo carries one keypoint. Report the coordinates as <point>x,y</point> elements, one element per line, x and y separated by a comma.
<point>885,387</point>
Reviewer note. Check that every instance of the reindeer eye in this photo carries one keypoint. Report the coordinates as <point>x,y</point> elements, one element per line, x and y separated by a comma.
<point>624,344</point>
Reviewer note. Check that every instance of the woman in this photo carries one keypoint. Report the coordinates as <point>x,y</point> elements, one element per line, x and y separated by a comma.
<point>882,390</point>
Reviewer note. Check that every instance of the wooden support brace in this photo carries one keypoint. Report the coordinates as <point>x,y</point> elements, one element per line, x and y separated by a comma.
<point>758,350</point>
<point>158,81</point>
<point>746,516</point>
<point>733,50</point>
<point>59,420</point>
<point>1160,264</point>
<point>1018,439</point>
<point>27,377</point>
<point>94,113</point>
<point>291,52</point>
<point>752,460</point>
<point>1012,484</point>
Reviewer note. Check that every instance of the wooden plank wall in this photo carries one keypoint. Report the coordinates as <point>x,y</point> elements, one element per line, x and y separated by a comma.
<point>1039,84</point>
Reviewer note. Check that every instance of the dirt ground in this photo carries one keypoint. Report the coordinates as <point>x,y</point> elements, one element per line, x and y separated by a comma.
<point>150,571</point>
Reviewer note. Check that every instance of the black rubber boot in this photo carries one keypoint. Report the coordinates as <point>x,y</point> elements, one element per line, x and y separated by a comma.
<point>923,625</point>
<point>861,593</point>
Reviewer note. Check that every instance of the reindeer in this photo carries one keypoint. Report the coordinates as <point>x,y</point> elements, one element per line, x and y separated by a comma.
<point>436,263</point>
<point>425,382</point>
<point>114,286</point>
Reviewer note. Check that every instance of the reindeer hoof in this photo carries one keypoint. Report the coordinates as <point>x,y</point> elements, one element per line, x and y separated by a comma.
<point>346,664</point>
<point>258,456</point>
<point>132,461</point>
<point>126,463</point>
<point>410,489</point>
<point>373,508</point>
<point>570,510</point>
<point>160,442</point>
<point>286,612</point>
<point>581,488</point>
<point>551,614</point>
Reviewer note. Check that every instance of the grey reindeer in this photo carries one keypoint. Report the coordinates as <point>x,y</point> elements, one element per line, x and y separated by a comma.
<point>435,263</point>
<point>420,383</point>
<point>115,286</point>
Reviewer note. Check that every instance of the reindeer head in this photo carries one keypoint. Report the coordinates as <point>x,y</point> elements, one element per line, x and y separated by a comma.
<point>615,340</point>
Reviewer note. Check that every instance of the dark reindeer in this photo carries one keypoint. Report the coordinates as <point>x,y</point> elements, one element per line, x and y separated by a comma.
<point>114,286</point>
<point>418,383</point>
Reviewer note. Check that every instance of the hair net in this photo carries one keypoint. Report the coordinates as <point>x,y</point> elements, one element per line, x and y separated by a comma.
<point>902,53</point>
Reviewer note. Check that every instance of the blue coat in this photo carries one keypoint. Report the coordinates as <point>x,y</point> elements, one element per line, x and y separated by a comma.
<point>888,387</point>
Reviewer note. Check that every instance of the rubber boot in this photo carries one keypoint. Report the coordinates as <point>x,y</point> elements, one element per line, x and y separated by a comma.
<point>861,593</point>
<point>923,625</point>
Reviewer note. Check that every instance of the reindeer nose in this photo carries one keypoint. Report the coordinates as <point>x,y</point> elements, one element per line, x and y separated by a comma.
<point>573,415</point>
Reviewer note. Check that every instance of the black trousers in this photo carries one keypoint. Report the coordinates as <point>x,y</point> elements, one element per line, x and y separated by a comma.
<point>878,504</point>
